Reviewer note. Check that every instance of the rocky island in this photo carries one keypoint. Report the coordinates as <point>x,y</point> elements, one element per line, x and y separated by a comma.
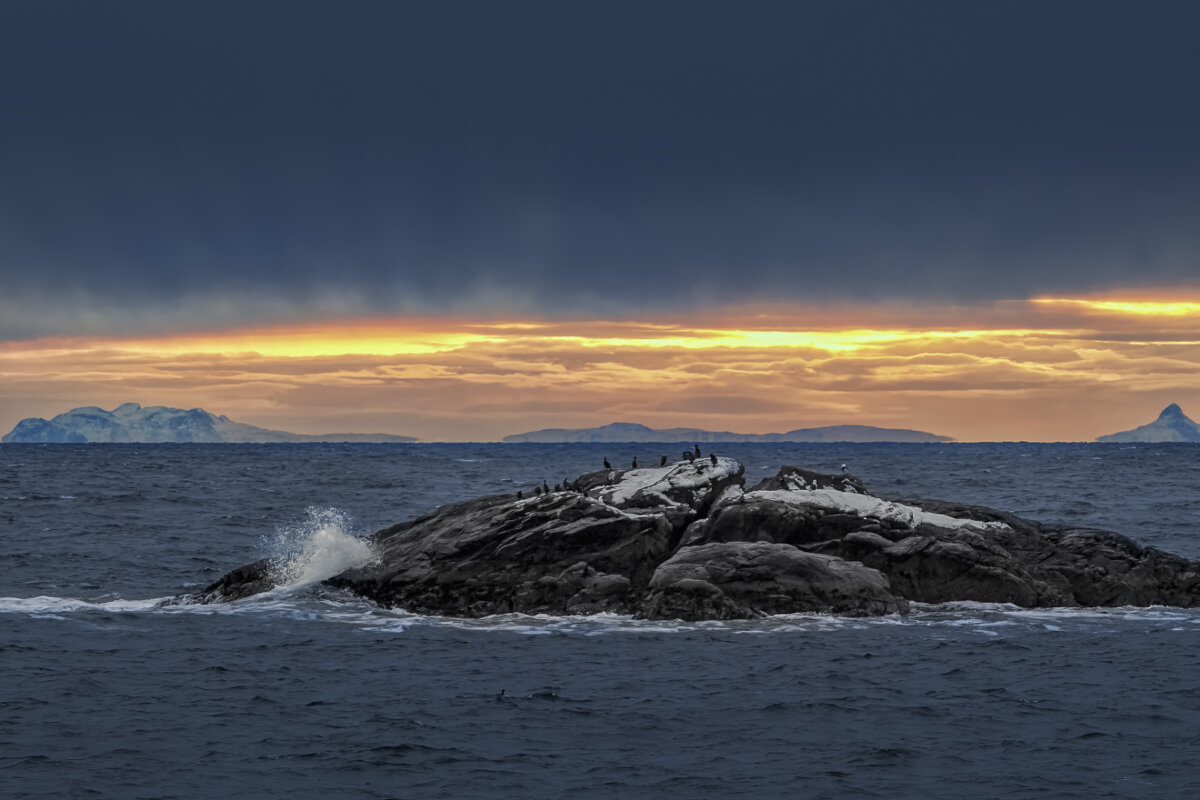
<point>1171,425</point>
<point>635,432</point>
<point>688,540</point>
<point>134,423</point>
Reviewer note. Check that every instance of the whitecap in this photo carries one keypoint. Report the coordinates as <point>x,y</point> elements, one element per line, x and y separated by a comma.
<point>46,604</point>
<point>321,546</point>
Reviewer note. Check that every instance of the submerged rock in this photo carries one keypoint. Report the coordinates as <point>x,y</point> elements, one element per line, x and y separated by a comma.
<point>688,541</point>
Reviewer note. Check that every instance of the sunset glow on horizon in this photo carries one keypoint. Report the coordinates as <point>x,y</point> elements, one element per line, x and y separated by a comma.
<point>1144,308</point>
<point>396,338</point>
<point>452,379</point>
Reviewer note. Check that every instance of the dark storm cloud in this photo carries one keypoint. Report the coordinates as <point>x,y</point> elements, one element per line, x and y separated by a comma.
<point>591,157</point>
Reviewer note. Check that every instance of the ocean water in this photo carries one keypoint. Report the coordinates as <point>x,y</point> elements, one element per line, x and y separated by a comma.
<point>108,690</point>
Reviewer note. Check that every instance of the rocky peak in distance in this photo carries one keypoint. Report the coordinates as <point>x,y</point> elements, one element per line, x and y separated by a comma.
<point>1172,425</point>
<point>636,432</point>
<point>133,423</point>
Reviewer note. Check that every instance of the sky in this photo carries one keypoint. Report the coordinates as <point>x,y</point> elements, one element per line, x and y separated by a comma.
<point>460,220</point>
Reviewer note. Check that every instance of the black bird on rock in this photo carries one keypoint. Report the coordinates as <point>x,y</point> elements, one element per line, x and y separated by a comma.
<point>635,462</point>
<point>689,455</point>
<point>713,458</point>
<point>606,464</point>
<point>697,448</point>
<point>662,462</point>
<point>545,487</point>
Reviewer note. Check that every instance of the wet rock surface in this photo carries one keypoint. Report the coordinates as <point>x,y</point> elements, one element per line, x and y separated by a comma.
<point>688,541</point>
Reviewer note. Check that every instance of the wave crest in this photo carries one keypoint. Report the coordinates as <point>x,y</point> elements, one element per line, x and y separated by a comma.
<point>321,546</point>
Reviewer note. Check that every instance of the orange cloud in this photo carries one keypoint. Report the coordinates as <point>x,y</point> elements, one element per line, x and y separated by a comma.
<point>1045,369</point>
<point>1142,308</point>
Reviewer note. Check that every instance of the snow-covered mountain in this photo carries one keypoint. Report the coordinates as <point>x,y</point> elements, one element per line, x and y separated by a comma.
<point>633,432</point>
<point>131,422</point>
<point>1172,425</point>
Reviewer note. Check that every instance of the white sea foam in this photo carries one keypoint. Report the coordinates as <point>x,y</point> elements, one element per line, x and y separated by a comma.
<point>45,604</point>
<point>321,546</point>
<point>610,624</point>
<point>987,620</point>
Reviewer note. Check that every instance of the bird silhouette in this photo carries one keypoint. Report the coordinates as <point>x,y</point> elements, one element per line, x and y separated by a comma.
<point>606,464</point>
<point>635,462</point>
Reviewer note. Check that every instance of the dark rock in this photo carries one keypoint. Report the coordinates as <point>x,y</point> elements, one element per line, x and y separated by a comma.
<point>244,581</point>
<point>936,551</point>
<point>685,541</point>
<point>559,553</point>
<point>764,521</point>
<point>1101,568</point>
<point>743,580</point>
<point>796,478</point>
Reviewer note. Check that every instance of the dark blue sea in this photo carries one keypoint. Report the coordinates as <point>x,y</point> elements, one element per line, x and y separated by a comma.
<point>109,691</point>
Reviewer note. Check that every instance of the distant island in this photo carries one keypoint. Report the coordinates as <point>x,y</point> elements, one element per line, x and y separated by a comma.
<point>156,424</point>
<point>1172,425</point>
<point>633,432</point>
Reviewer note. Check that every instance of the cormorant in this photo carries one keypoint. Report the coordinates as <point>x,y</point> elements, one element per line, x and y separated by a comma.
<point>558,487</point>
<point>689,455</point>
<point>545,487</point>
<point>635,462</point>
<point>537,490</point>
<point>713,458</point>
<point>519,495</point>
<point>606,464</point>
<point>697,448</point>
<point>662,462</point>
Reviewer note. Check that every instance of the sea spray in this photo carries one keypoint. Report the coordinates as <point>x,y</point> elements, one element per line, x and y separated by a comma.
<point>319,547</point>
